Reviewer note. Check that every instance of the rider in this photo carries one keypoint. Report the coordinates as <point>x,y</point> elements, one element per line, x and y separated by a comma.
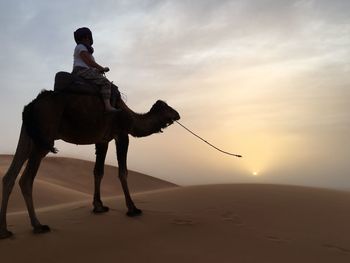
<point>85,66</point>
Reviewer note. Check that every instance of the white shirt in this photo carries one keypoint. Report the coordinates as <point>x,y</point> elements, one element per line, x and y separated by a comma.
<point>77,60</point>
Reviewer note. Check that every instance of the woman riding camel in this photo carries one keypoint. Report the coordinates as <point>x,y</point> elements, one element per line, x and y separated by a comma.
<point>85,66</point>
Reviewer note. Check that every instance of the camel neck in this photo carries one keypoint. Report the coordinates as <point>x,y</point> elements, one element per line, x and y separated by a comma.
<point>145,124</point>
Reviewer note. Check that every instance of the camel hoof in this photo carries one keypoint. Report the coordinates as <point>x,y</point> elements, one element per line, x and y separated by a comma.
<point>100,209</point>
<point>135,212</point>
<point>5,234</point>
<point>41,229</point>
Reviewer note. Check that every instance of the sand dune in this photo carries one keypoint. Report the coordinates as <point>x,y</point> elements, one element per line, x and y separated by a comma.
<point>220,223</point>
<point>65,180</point>
<point>214,223</point>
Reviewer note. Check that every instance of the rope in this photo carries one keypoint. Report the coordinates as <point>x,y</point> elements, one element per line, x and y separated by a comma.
<point>216,148</point>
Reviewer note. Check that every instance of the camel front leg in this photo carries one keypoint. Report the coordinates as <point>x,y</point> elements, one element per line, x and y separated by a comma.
<point>122,143</point>
<point>101,151</point>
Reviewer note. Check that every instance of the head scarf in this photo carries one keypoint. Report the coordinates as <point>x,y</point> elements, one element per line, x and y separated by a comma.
<point>80,34</point>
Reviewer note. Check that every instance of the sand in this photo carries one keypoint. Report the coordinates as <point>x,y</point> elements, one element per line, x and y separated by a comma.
<point>212,223</point>
<point>65,180</point>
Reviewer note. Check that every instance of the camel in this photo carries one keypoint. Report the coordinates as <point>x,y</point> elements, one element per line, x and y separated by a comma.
<point>78,119</point>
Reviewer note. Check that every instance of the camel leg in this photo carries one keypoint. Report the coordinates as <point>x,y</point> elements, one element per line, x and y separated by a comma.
<point>122,144</point>
<point>21,155</point>
<point>101,151</point>
<point>26,184</point>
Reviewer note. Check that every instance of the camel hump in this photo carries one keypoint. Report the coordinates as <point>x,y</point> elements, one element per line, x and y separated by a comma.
<point>63,80</point>
<point>70,83</point>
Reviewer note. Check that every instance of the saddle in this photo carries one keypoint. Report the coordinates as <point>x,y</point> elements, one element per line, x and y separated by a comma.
<point>72,84</point>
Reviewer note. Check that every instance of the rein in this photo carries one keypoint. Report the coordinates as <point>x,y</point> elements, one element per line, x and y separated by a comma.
<point>216,148</point>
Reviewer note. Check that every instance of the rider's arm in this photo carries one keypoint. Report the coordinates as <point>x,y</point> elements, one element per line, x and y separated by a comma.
<point>86,57</point>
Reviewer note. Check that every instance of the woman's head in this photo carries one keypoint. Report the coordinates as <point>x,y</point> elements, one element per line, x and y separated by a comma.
<point>83,35</point>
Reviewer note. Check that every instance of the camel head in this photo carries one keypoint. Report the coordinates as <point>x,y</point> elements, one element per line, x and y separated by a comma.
<point>164,114</point>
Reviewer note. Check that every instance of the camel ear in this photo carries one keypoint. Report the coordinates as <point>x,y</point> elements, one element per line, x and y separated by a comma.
<point>158,106</point>
<point>161,103</point>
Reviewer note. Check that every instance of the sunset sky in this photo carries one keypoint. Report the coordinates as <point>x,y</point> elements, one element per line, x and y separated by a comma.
<point>267,79</point>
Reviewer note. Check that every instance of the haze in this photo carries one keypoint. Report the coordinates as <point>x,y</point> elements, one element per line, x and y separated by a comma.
<point>265,79</point>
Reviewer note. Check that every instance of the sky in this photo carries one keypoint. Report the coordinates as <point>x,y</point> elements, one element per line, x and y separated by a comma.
<point>267,79</point>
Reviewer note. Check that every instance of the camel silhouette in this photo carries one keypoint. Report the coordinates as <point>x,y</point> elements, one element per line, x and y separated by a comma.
<point>78,119</point>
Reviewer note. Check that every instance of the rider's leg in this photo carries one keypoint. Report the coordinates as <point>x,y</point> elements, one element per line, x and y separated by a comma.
<point>106,96</point>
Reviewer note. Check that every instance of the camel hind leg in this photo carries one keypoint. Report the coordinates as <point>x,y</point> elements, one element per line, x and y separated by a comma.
<point>26,184</point>
<point>8,181</point>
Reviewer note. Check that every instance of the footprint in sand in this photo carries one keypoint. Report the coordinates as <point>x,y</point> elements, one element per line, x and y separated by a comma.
<point>231,217</point>
<point>276,239</point>
<point>73,220</point>
<point>78,208</point>
<point>140,201</point>
<point>337,248</point>
<point>183,222</point>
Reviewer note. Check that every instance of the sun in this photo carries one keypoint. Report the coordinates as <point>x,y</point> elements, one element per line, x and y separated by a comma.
<point>255,173</point>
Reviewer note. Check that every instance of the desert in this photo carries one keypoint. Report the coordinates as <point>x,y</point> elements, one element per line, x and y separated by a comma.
<point>206,223</point>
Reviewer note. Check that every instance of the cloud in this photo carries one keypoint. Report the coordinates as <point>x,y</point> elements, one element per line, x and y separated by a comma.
<point>266,66</point>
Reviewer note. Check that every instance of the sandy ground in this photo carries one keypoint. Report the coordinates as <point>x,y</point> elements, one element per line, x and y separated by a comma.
<point>65,180</point>
<point>214,223</point>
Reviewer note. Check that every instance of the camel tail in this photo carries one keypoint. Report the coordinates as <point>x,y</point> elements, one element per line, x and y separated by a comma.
<point>31,125</point>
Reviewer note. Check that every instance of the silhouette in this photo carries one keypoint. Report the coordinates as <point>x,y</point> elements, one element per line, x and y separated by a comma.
<point>78,119</point>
